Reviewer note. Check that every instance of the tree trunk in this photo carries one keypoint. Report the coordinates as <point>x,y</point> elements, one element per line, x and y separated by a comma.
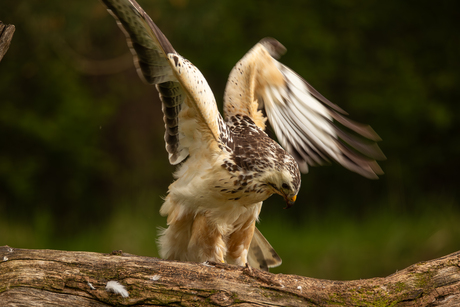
<point>6,35</point>
<point>63,278</point>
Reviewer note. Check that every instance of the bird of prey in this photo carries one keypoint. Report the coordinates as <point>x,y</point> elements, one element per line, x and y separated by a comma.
<point>227,166</point>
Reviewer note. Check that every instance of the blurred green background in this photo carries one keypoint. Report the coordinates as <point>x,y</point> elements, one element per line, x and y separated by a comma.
<point>82,158</point>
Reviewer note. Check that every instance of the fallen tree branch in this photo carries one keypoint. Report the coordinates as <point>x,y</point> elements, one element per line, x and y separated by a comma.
<point>64,278</point>
<point>6,35</point>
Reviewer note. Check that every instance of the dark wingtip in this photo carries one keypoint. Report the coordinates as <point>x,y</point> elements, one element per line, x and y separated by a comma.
<point>274,47</point>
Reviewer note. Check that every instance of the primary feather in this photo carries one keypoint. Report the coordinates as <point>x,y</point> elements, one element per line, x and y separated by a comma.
<point>232,165</point>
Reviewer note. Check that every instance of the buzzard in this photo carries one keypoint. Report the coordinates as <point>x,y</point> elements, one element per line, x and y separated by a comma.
<point>227,166</point>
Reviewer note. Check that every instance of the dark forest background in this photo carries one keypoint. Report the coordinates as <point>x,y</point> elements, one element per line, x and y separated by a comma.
<point>82,158</point>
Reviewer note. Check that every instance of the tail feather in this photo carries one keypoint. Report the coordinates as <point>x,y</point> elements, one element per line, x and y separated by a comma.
<point>261,254</point>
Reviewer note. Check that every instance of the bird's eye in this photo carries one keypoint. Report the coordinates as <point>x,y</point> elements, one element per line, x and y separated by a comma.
<point>285,186</point>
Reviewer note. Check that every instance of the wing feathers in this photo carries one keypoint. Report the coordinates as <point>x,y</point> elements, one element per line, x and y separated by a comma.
<point>367,148</point>
<point>146,42</point>
<point>310,127</point>
<point>172,98</point>
<point>364,130</point>
<point>320,97</point>
<point>158,63</point>
<point>157,34</point>
<point>197,88</point>
<point>315,118</point>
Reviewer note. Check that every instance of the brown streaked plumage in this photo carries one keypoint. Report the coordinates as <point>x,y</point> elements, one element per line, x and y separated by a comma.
<point>228,167</point>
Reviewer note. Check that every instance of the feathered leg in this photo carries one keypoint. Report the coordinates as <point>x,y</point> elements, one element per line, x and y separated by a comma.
<point>238,243</point>
<point>206,243</point>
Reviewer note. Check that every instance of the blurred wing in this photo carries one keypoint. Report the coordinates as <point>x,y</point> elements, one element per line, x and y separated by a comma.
<point>180,84</point>
<point>311,128</point>
<point>261,254</point>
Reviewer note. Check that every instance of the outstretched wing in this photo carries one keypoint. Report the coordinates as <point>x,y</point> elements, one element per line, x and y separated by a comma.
<point>181,85</point>
<point>311,128</point>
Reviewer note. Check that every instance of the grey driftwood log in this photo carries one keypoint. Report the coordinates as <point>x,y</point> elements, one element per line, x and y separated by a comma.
<point>62,278</point>
<point>6,35</point>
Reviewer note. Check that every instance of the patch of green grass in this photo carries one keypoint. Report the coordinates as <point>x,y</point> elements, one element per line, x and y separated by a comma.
<point>131,227</point>
<point>341,247</point>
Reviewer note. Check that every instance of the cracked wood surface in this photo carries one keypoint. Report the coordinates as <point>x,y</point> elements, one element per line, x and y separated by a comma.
<point>63,278</point>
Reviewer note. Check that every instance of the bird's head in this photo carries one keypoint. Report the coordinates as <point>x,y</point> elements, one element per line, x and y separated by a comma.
<point>284,179</point>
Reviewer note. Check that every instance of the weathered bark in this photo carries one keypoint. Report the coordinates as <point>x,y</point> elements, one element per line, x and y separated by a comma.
<point>6,35</point>
<point>63,278</point>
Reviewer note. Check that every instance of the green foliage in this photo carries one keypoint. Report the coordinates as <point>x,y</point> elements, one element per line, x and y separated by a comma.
<point>82,164</point>
<point>336,245</point>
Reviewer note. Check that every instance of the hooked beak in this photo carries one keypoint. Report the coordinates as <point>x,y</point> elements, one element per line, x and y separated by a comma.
<point>290,200</point>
